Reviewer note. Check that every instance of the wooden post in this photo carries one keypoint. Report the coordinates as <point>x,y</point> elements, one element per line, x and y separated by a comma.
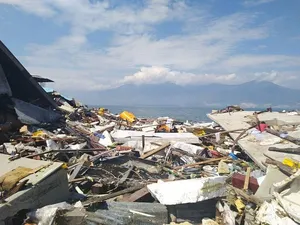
<point>247,178</point>
<point>143,141</point>
<point>150,153</point>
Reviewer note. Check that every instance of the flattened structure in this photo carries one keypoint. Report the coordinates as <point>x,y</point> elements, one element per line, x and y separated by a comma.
<point>22,85</point>
<point>256,151</point>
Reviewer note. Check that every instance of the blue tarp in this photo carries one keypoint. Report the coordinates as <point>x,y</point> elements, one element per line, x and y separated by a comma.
<point>48,90</point>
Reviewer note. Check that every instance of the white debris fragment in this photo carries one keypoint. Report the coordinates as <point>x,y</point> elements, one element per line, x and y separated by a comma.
<point>192,149</point>
<point>272,213</point>
<point>188,191</point>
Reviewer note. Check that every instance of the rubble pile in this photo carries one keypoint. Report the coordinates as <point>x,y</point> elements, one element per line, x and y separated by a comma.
<point>65,163</point>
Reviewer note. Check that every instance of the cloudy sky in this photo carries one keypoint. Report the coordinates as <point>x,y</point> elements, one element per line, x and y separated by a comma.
<point>95,45</point>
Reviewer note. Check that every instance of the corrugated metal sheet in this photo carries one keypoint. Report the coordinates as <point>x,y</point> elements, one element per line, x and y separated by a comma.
<point>31,114</point>
<point>126,213</point>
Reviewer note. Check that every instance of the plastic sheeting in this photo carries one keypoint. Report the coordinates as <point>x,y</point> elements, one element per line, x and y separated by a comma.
<point>106,139</point>
<point>126,213</point>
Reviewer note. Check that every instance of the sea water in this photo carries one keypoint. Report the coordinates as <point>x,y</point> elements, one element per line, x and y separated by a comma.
<point>195,114</point>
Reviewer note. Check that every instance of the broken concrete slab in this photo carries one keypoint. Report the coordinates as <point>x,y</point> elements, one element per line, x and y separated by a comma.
<point>47,186</point>
<point>123,136</point>
<point>188,191</point>
<point>289,197</point>
<point>273,213</point>
<point>257,152</point>
<point>266,189</point>
<point>47,214</point>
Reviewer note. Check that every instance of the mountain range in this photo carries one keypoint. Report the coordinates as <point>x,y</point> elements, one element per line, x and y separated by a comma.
<point>253,93</point>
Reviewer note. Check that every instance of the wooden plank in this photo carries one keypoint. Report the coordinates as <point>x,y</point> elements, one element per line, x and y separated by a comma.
<point>112,195</point>
<point>221,132</point>
<point>247,178</point>
<point>286,150</point>
<point>136,195</point>
<point>288,138</point>
<point>239,137</point>
<point>150,153</point>
<point>76,171</point>
<point>249,198</point>
<point>283,168</point>
<point>67,151</point>
<point>126,175</point>
<point>201,163</point>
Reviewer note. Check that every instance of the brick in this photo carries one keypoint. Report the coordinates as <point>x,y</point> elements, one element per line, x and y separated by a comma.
<point>239,179</point>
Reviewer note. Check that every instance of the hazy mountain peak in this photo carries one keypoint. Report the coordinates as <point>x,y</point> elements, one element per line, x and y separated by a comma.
<point>253,92</point>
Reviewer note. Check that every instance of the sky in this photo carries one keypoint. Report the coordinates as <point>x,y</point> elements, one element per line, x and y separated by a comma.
<point>93,45</point>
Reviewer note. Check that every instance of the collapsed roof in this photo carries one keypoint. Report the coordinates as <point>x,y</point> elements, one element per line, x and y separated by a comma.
<point>41,79</point>
<point>16,81</point>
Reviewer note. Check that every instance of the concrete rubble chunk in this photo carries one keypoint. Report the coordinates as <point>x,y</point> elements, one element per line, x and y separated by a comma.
<point>266,189</point>
<point>289,197</point>
<point>228,216</point>
<point>188,191</point>
<point>49,185</point>
<point>273,213</point>
<point>223,168</point>
<point>209,222</point>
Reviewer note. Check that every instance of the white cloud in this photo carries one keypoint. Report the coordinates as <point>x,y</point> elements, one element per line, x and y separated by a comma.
<point>274,76</point>
<point>199,50</point>
<point>267,76</point>
<point>37,7</point>
<point>239,62</point>
<point>256,2</point>
<point>76,80</point>
<point>261,46</point>
<point>296,38</point>
<point>155,75</point>
<point>206,51</point>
